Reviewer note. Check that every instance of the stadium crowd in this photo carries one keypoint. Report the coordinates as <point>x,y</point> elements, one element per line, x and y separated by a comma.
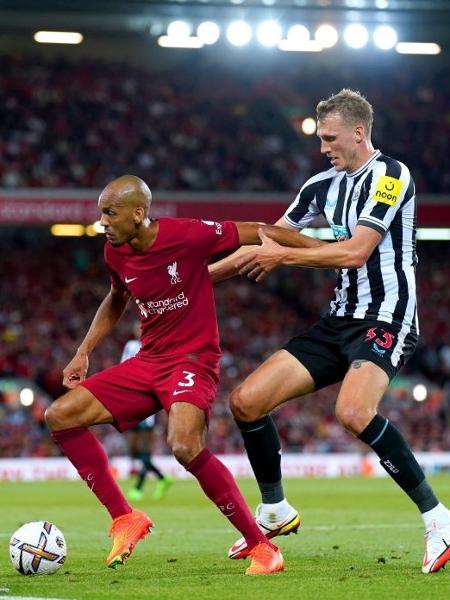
<point>58,283</point>
<point>200,127</point>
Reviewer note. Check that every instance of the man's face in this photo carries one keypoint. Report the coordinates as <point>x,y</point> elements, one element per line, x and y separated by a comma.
<point>119,220</point>
<point>340,142</point>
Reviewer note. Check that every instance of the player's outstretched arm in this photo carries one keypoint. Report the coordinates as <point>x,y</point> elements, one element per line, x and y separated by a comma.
<point>248,235</point>
<point>107,315</point>
<point>351,254</point>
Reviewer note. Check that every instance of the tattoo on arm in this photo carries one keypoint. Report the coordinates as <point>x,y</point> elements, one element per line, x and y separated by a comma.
<point>356,364</point>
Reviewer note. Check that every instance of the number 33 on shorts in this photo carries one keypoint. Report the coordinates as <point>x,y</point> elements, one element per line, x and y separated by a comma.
<point>183,385</point>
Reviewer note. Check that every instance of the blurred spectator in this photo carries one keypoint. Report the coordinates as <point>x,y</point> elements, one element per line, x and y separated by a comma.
<point>53,295</point>
<point>211,127</point>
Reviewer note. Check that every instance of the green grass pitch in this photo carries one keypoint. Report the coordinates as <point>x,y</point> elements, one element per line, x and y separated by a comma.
<point>360,539</point>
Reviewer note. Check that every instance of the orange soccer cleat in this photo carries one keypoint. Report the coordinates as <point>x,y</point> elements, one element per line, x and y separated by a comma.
<point>265,560</point>
<point>126,532</point>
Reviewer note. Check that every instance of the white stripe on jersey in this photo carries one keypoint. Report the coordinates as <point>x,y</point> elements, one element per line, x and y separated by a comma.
<point>384,288</point>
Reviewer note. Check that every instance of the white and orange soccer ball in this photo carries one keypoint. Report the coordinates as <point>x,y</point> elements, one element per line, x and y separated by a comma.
<point>37,548</point>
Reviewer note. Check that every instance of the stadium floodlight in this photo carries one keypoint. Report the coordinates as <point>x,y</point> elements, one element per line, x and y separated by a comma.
<point>356,35</point>
<point>26,396</point>
<point>385,37</point>
<point>418,48</point>
<point>420,392</point>
<point>67,229</point>
<point>269,33</point>
<point>98,227</point>
<point>239,33</point>
<point>167,41</point>
<point>433,233</point>
<point>298,34</point>
<point>58,37</point>
<point>91,231</point>
<point>179,29</point>
<point>208,32</point>
<point>326,35</point>
<point>309,126</point>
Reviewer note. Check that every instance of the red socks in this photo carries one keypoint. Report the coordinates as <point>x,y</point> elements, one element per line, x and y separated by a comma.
<point>89,458</point>
<point>220,487</point>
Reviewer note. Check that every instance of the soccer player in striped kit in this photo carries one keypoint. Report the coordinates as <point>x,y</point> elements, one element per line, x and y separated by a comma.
<point>370,330</point>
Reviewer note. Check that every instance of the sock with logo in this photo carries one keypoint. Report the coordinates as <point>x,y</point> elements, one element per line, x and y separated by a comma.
<point>398,461</point>
<point>220,487</point>
<point>263,447</point>
<point>89,458</point>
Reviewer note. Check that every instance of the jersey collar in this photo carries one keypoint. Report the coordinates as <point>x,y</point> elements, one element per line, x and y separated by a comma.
<point>374,156</point>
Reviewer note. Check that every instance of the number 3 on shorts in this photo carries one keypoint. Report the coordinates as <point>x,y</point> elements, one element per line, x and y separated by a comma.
<point>186,382</point>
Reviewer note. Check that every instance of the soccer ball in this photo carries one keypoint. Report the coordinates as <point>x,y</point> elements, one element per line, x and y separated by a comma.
<point>37,548</point>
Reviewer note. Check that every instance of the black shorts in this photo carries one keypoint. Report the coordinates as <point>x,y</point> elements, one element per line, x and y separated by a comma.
<point>329,347</point>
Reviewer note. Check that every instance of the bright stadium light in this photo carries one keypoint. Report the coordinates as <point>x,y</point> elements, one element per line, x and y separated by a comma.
<point>309,126</point>
<point>67,229</point>
<point>269,33</point>
<point>26,396</point>
<point>385,37</point>
<point>326,35</point>
<point>239,33</point>
<point>208,32</point>
<point>179,29</point>
<point>58,37</point>
<point>97,227</point>
<point>418,48</point>
<point>420,392</point>
<point>356,35</point>
<point>167,41</point>
<point>298,33</point>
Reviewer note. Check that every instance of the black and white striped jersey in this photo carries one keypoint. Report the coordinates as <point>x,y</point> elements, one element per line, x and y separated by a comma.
<point>379,195</point>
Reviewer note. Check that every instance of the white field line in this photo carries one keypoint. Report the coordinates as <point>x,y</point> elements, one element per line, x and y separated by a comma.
<point>29,598</point>
<point>214,531</point>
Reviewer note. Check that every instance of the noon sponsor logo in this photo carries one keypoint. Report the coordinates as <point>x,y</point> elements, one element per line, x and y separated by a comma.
<point>387,190</point>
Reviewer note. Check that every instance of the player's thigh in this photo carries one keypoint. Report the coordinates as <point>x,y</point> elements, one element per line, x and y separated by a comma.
<point>361,391</point>
<point>280,378</point>
<point>77,408</point>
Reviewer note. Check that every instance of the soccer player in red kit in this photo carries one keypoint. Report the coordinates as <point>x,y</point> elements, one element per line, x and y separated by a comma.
<point>162,265</point>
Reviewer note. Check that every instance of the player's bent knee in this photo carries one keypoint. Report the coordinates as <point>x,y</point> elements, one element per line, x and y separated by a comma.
<point>353,418</point>
<point>184,451</point>
<point>243,405</point>
<point>55,417</point>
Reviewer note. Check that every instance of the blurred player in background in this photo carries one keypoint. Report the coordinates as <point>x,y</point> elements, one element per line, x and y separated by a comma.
<point>370,330</point>
<point>140,438</point>
<point>162,265</point>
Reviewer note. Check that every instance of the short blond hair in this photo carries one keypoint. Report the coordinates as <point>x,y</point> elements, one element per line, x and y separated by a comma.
<point>351,105</point>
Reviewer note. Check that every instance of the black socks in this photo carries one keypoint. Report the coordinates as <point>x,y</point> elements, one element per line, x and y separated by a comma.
<point>264,453</point>
<point>397,459</point>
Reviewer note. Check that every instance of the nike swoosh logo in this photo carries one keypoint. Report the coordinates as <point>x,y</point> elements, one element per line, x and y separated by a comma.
<point>176,392</point>
<point>130,280</point>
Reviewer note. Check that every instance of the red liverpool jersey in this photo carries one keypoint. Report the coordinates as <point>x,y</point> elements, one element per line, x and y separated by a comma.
<point>171,286</point>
